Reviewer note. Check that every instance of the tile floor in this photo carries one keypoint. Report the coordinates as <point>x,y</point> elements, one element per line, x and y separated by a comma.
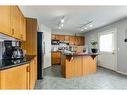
<point>103,79</point>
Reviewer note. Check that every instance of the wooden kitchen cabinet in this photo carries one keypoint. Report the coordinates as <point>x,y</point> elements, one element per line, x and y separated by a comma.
<point>30,45</point>
<point>12,22</point>
<point>15,78</point>
<point>72,40</point>
<point>79,41</point>
<point>5,20</point>
<point>33,73</point>
<point>74,67</point>
<point>67,38</point>
<point>82,40</point>
<point>20,77</point>
<point>18,23</point>
<point>22,27</point>
<point>56,58</point>
<point>89,65</point>
<point>15,22</point>
<point>59,37</point>
<point>35,66</point>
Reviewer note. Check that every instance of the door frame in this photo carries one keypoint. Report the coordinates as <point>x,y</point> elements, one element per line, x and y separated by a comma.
<point>115,44</point>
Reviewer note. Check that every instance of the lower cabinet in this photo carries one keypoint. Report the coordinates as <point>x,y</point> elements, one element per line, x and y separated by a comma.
<point>19,78</point>
<point>56,58</point>
<point>74,67</point>
<point>33,73</point>
<point>15,78</point>
<point>89,65</point>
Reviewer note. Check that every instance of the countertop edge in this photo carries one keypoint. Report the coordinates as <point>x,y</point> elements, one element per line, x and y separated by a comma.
<point>16,65</point>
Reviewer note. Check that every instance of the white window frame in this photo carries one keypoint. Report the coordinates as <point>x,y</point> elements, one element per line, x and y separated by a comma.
<point>104,33</point>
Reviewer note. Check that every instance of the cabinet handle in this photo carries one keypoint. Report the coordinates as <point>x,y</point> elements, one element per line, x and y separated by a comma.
<point>28,69</point>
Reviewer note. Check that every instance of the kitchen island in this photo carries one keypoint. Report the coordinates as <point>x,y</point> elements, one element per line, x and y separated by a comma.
<point>78,64</point>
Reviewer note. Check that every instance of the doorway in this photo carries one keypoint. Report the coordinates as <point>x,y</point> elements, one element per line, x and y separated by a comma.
<point>107,47</point>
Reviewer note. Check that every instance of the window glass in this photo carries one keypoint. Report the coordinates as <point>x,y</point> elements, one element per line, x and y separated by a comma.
<point>106,42</point>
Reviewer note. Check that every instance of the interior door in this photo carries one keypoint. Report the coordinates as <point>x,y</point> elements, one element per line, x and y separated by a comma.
<point>107,48</point>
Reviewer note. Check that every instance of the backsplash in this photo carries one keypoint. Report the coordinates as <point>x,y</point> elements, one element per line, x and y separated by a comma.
<point>2,38</point>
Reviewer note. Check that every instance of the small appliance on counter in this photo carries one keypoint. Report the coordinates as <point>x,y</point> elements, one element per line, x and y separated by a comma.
<point>11,50</point>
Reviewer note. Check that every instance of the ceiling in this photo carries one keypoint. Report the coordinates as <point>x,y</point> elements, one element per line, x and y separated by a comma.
<point>75,16</point>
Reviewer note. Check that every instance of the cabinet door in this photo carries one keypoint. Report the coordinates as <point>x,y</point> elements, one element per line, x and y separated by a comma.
<point>77,40</point>
<point>15,78</point>
<point>67,38</point>
<point>78,66</point>
<point>23,27</point>
<point>82,41</point>
<point>35,67</point>
<point>89,65</point>
<point>72,40</point>
<point>59,37</point>
<point>15,22</point>
<point>62,38</point>
<point>32,75</point>
<point>56,58</point>
<point>70,70</point>
<point>5,20</point>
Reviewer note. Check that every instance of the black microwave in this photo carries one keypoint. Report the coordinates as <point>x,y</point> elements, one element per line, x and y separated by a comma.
<point>55,42</point>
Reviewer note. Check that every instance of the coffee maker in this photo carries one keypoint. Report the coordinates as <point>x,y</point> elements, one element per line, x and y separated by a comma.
<point>12,50</point>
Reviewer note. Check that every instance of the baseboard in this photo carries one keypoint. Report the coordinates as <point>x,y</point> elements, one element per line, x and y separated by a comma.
<point>106,67</point>
<point>114,70</point>
<point>121,73</point>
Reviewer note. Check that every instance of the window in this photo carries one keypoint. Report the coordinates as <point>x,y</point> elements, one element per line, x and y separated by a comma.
<point>106,42</point>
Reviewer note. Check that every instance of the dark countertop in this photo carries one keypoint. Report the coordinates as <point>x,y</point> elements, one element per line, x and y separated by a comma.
<point>6,64</point>
<point>55,51</point>
<point>82,54</point>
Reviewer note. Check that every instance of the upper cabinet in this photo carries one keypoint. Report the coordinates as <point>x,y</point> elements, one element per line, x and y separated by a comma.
<point>22,27</point>
<point>30,45</point>
<point>17,23</point>
<point>12,22</point>
<point>60,37</point>
<point>73,40</point>
<point>5,20</point>
<point>67,38</point>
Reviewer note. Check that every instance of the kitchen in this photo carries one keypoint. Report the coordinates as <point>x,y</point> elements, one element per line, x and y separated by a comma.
<point>57,47</point>
<point>18,63</point>
<point>70,48</point>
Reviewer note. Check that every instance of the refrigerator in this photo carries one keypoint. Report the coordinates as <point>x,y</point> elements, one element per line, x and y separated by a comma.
<point>40,51</point>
